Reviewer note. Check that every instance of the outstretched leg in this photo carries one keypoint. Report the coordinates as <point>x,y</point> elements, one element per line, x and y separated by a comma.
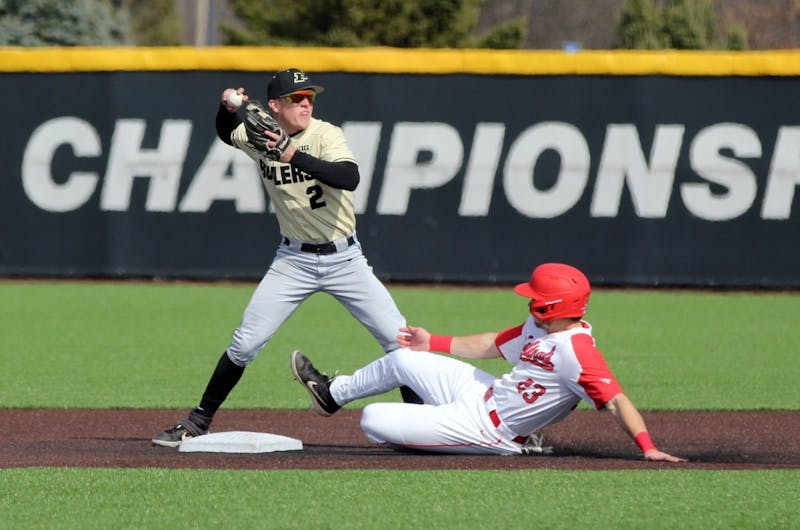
<point>437,379</point>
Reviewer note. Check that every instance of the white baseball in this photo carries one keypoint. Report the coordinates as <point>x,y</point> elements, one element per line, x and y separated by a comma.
<point>235,100</point>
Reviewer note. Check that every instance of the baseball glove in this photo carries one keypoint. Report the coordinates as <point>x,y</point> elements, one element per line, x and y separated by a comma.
<point>258,120</point>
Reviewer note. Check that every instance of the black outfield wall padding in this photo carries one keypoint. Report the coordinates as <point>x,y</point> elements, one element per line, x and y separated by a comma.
<point>645,179</point>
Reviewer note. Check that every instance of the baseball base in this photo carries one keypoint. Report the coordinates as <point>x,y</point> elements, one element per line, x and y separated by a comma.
<point>240,442</point>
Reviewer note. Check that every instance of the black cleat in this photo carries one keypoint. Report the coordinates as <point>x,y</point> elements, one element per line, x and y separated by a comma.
<point>317,384</point>
<point>195,425</point>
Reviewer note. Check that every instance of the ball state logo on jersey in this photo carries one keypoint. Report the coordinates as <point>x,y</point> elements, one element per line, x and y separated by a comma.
<point>532,353</point>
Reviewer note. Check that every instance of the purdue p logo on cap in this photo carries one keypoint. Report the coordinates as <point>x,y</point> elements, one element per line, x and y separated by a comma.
<point>288,81</point>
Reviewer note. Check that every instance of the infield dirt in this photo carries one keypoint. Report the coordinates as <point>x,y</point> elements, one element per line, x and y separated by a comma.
<point>585,440</point>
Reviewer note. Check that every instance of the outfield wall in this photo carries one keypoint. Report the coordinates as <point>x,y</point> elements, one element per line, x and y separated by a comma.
<point>641,168</point>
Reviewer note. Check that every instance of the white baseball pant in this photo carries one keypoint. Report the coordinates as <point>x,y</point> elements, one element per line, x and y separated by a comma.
<point>294,276</point>
<point>455,419</point>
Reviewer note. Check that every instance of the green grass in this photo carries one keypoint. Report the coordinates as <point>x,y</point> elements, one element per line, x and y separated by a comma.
<point>137,345</point>
<point>126,345</point>
<point>150,498</point>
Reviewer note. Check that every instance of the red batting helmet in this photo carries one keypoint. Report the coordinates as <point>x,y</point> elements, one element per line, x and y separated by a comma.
<point>556,291</point>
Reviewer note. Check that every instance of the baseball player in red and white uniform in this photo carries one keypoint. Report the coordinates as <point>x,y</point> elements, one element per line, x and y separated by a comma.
<point>311,190</point>
<point>555,366</point>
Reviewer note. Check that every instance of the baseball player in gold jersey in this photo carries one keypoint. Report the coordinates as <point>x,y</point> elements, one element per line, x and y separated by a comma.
<point>311,190</point>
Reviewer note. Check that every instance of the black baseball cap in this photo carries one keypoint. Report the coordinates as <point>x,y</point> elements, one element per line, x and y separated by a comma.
<point>288,81</point>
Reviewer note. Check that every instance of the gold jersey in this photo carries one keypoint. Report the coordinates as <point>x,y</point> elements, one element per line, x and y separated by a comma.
<point>307,210</point>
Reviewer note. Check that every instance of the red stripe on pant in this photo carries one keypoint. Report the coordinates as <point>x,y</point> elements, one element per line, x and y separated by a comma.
<point>496,422</point>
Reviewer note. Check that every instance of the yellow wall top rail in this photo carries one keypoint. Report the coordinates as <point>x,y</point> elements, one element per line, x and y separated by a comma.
<point>402,61</point>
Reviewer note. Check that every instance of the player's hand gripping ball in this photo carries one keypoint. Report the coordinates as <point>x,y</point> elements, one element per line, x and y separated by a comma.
<point>256,121</point>
<point>235,100</point>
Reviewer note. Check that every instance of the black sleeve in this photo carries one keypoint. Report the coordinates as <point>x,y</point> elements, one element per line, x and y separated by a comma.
<point>340,175</point>
<point>226,122</point>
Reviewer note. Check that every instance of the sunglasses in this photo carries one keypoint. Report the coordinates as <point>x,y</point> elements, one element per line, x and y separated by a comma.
<point>297,97</point>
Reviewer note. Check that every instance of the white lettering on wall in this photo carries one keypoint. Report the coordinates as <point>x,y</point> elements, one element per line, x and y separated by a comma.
<point>736,183</point>
<point>364,139</point>
<point>784,175</point>
<point>422,157</point>
<point>162,165</point>
<point>212,182</point>
<point>622,161</point>
<point>518,177</point>
<point>37,164</point>
<point>484,159</point>
<point>404,169</point>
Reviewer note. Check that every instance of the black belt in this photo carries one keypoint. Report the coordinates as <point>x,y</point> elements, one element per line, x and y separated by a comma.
<point>329,247</point>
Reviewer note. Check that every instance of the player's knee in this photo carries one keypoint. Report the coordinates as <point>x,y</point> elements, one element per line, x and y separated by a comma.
<point>237,358</point>
<point>370,423</point>
<point>243,350</point>
<point>401,358</point>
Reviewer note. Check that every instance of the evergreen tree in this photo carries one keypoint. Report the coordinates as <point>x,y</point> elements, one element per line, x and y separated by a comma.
<point>676,24</point>
<point>353,23</point>
<point>507,36</point>
<point>155,22</point>
<point>736,39</point>
<point>640,26</point>
<point>690,24</point>
<point>62,23</point>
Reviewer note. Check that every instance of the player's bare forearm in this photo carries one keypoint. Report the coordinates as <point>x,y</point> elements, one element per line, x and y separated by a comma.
<point>632,423</point>
<point>626,415</point>
<point>480,346</point>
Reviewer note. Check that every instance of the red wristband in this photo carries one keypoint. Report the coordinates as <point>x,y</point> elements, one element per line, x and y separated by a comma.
<point>441,343</point>
<point>644,442</point>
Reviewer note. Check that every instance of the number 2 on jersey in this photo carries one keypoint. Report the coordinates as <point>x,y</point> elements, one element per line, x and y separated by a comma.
<point>315,196</point>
